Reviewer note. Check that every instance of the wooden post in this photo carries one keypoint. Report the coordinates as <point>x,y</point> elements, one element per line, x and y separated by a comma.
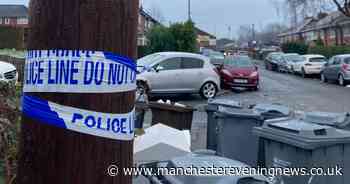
<point>50,155</point>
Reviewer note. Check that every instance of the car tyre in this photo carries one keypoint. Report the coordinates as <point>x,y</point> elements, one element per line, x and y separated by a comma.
<point>142,86</point>
<point>341,80</point>
<point>303,73</point>
<point>256,88</point>
<point>293,71</point>
<point>208,90</point>
<point>323,78</point>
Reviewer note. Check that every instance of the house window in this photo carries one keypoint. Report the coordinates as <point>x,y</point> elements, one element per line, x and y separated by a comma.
<point>22,21</point>
<point>7,21</point>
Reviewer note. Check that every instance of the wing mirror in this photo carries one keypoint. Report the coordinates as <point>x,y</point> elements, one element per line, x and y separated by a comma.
<point>159,68</point>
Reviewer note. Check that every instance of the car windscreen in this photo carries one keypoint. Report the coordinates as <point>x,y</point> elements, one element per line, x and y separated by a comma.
<point>149,60</point>
<point>318,60</point>
<point>294,58</point>
<point>240,62</point>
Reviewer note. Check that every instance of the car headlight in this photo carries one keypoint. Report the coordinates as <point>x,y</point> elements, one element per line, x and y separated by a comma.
<point>254,74</point>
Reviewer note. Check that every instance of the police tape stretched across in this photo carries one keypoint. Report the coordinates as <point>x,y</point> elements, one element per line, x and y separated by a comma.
<point>73,72</point>
<point>116,125</point>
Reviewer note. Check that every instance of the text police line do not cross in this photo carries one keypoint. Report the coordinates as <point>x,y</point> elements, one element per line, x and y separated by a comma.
<point>78,71</point>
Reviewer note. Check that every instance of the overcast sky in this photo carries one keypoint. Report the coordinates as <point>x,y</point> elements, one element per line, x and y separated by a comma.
<point>214,16</point>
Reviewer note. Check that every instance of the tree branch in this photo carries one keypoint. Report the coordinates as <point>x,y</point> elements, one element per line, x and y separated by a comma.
<point>343,8</point>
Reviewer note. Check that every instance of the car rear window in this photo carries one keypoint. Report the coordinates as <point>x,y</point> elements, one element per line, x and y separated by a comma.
<point>347,60</point>
<point>294,58</point>
<point>317,60</point>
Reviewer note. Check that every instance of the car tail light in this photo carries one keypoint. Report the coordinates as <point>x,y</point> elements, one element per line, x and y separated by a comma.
<point>346,67</point>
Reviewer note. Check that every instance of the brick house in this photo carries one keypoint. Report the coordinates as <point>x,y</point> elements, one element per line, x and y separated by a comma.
<point>332,29</point>
<point>14,16</point>
<point>205,39</point>
<point>146,22</point>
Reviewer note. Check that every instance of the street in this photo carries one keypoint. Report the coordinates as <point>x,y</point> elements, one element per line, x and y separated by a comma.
<point>293,91</point>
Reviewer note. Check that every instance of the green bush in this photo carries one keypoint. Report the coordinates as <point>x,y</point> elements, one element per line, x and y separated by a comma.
<point>295,47</point>
<point>330,50</point>
<point>178,37</point>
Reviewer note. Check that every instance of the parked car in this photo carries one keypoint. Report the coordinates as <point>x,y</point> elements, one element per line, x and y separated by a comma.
<point>239,71</point>
<point>282,64</point>
<point>243,53</point>
<point>337,69</point>
<point>310,64</point>
<point>285,62</point>
<point>8,73</point>
<point>178,73</point>
<point>271,61</point>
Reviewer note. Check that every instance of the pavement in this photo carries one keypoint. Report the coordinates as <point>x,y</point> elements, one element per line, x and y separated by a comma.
<point>293,91</point>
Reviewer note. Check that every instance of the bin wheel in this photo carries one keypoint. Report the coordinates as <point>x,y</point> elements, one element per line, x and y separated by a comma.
<point>208,90</point>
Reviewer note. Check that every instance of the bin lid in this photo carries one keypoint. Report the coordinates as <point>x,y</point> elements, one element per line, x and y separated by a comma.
<point>299,133</point>
<point>207,161</point>
<point>339,120</point>
<point>226,112</point>
<point>272,108</point>
<point>225,103</point>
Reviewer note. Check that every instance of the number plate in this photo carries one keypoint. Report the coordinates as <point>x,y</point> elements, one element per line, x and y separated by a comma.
<point>242,81</point>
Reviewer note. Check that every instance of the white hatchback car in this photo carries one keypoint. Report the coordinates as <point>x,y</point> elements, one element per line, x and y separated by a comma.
<point>8,73</point>
<point>178,73</point>
<point>311,64</point>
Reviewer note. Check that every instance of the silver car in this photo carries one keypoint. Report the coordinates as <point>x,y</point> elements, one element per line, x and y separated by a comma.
<point>337,69</point>
<point>178,72</point>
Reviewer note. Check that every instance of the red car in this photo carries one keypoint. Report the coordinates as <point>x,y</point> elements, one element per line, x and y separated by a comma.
<point>239,71</point>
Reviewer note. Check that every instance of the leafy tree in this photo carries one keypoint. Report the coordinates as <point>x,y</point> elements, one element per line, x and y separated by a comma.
<point>160,39</point>
<point>177,37</point>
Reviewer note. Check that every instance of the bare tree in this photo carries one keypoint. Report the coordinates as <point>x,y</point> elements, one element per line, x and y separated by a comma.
<point>343,6</point>
<point>312,7</point>
<point>297,10</point>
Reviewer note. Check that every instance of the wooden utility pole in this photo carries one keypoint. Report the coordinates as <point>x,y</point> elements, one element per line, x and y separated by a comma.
<point>50,155</point>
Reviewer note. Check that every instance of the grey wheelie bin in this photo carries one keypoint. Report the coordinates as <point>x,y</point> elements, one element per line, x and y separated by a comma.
<point>294,143</point>
<point>337,120</point>
<point>204,169</point>
<point>235,139</point>
<point>212,107</point>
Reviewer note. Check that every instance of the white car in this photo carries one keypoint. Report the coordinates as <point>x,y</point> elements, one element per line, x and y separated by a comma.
<point>311,64</point>
<point>8,73</point>
<point>177,73</point>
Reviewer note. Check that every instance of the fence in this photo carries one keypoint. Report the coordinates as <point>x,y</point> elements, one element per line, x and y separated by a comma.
<point>19,64</point>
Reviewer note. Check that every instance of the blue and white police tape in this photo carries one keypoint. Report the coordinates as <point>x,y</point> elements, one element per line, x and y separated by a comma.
<point>112,126</point>
<point>78,71</point>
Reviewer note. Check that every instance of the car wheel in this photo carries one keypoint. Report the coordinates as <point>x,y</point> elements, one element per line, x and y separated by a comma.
<point>142,87</point>
<point>341,80</point>
<point>293,71</point>
<point>256,88</point>
<point>208,90</point>
<point>323,78</point>
<point>303,73</point>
